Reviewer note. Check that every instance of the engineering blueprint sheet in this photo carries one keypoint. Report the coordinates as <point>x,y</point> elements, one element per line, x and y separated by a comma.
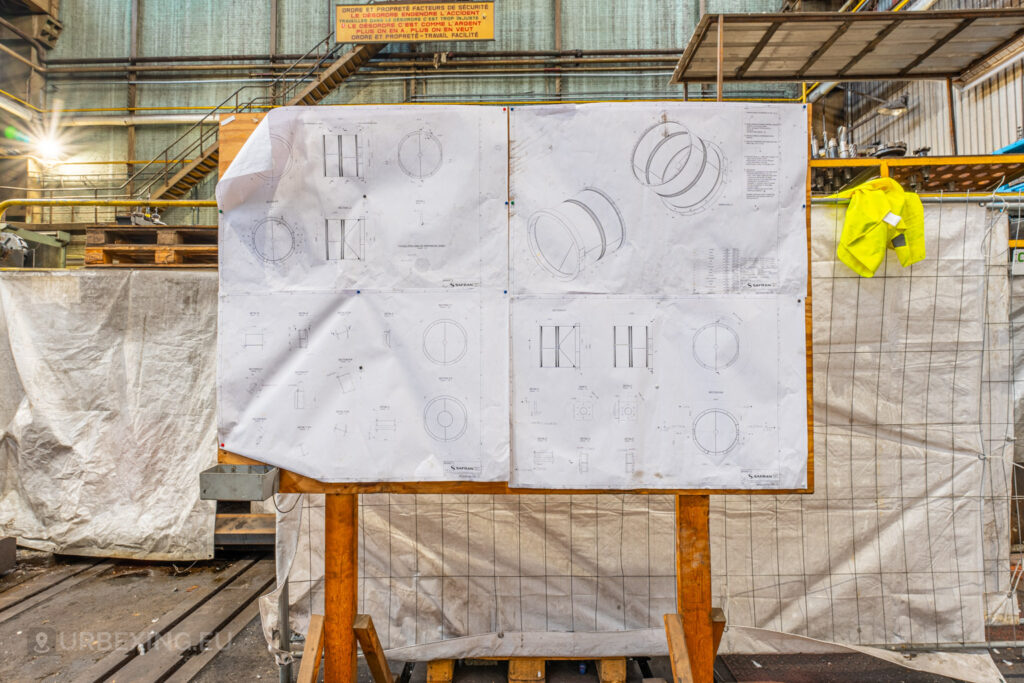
<point>659,267</point>
<point>594,296</point>
<point>363,294</point>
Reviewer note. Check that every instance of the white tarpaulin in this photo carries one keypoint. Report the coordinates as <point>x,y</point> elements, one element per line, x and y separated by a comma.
<point>655,312</point>
<point>904,542</point>
<point>107,412</point>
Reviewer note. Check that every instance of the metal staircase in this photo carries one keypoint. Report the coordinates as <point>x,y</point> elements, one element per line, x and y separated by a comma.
<point>190,158</point>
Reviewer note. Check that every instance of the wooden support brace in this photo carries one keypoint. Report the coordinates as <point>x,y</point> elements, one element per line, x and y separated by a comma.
<point>366,634</point>
<point>523,669</point>
<point>611,670</point>
<point>440,671</point>
<point>678,654</point>
<point>717,626</point>
<point>313,650</point>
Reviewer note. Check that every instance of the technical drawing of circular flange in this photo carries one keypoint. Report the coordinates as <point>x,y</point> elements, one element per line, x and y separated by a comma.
<point>273,240</point>
<point>420,154</point>
<point>281,158</point>
<point>686,171</point>
<point>716,432</point>
<point>445,342</point>
<point>579,231</point>
<point>445,418</point>
<point>716,346</point>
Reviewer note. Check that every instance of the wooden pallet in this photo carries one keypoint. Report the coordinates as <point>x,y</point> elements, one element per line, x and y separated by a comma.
<point>245,529</point>
<point>151,246</point>
<point>531,670</point>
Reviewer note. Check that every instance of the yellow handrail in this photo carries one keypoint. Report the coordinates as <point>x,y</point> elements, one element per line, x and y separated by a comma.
<point>8,203</point>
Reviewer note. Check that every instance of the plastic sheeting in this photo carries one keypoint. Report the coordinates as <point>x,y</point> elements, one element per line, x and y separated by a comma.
<point>904,542</point>
<point>107,412</point>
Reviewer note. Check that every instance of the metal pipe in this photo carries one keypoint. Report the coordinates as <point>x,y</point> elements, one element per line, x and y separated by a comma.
<point>571,59</point>
<point>169,203</point>
<point>452,54</point>
<point>284,632</point>
<point>155,120</point>
<point>980,199</point>
<point>39,47</point>
<point>27,62</point>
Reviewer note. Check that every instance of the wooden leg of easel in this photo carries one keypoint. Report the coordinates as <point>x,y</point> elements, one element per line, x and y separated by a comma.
<point>341,586</point>
<point>678,654</point>
<point>693,583</point>
<point>366,634</point>
<point>314,649</point>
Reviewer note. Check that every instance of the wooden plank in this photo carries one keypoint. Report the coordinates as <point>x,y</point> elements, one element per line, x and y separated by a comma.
<point>13,610</point>
<point>341,556</point>
<point>938,45</point>
<point>313,650</point>
<point>234,131</point>
<point>373,653</point>
<point>611,670</point>
<point>193,632</point>
<point>836,35</point>
<point>742,71</point>
<point>143,640</point>
<point>193,665</point>
<point>34,585</point>
<point>441,671</point>
<point>678,653</point>
<point>523,669</point>
<point>693,583</point>
<point>717,626</point>
<point>808,317</point>
<point>893,25</point>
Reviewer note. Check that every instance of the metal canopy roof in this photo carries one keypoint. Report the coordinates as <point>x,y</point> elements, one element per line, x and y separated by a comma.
<point>865,46</point>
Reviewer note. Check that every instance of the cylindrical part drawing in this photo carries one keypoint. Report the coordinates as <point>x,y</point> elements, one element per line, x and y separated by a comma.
<point>683,169</point>
<point>580,231</point>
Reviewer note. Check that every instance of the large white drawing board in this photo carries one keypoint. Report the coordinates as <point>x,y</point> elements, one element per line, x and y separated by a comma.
<point>568,296</point>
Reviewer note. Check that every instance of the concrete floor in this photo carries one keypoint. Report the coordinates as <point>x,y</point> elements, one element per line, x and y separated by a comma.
<point>88,619</point>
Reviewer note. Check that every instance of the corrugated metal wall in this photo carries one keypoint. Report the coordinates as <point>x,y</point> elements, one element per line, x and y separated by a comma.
<point>988,116</point>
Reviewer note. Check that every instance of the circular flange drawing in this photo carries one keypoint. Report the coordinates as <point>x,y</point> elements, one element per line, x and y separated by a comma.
<point>273,240</point>
<point>445,418</point>
<point>281,158</point>
<point>716,432</point>
<point>686,171</point>
<point>420,154</point>
<point>716,346</point>
<point>445,342</point>
<point>580,230</point>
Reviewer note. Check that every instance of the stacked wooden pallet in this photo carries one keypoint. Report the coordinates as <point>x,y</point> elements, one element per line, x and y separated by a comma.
<point>136,246</point>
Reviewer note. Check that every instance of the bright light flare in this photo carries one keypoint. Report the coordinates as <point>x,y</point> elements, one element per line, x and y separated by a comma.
<point>49,149</point>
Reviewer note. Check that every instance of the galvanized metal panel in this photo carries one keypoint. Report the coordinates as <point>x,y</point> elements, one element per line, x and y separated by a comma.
<point>94,28</point>
<point>201,27</point>
<point>301,24</point>
<point>589,25</point>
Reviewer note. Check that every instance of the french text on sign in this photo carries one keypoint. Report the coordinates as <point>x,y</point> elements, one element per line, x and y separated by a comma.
<point>414,22</point>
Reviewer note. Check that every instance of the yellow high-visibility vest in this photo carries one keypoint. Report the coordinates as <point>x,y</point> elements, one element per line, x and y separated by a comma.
<point>881,216</point>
